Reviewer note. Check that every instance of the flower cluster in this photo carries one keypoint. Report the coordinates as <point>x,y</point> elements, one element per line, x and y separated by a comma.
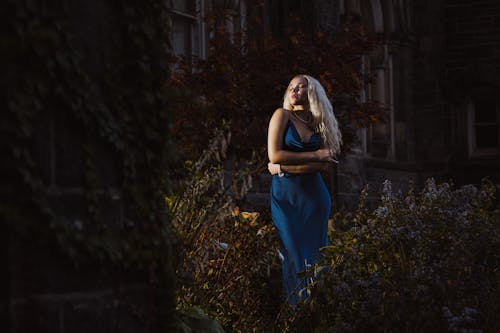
<point>426,262</point>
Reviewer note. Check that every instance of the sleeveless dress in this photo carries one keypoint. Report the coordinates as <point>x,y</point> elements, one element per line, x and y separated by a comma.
<point>300,208</point>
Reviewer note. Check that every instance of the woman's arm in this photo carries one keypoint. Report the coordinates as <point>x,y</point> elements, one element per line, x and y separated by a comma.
<point>277,154</point>
<point>308,167</point>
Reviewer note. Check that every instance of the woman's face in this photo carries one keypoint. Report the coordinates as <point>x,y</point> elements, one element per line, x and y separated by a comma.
<point>297,91</point>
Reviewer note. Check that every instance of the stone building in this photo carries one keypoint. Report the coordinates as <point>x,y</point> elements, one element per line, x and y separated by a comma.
<point>437,72</point>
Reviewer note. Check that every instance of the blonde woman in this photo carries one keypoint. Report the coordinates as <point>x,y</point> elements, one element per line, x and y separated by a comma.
<point>303,138</point>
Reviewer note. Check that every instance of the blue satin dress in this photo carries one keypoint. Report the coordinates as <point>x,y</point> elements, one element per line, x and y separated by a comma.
<point>300,208</point>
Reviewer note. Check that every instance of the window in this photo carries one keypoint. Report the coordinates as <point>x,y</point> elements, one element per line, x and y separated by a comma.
<point>188,30</point>
<point>379,140</point>
<point>483,126</point>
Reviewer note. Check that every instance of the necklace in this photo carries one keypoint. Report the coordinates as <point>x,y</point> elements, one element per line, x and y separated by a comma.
<point>299,118</point>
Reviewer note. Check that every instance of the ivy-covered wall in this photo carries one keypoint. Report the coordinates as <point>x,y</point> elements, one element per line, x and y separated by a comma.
<point>85,160</point>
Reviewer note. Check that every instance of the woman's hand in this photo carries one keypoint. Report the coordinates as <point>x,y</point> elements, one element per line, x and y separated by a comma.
<point>324,155</point>
<point>274,168</point>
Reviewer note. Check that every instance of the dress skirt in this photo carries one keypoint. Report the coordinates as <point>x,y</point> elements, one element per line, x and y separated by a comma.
<point>300,208</point>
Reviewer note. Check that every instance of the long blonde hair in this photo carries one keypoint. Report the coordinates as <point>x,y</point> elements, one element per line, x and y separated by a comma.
<point>324,120</point>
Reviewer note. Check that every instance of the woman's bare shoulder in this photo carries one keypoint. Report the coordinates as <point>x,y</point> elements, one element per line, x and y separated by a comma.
<point>281,113</point>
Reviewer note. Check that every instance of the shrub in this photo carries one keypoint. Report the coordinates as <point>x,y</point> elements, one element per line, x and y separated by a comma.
<point>416,263</point>
<point>228,265</point>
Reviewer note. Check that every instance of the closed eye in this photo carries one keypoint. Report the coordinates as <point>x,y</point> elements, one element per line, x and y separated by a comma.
<point>301,86</point>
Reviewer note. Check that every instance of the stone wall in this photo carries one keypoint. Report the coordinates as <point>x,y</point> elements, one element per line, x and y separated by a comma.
<point>453,47</point>
<point>472,33</point>
<point>47,290</point>
<point>441,53</point>
<point>63,178</point>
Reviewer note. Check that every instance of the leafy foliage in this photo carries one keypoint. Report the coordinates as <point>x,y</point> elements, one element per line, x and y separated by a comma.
<point>123,109</point>
<point>228,263</point>
<point>426,262</point>
<point>419,262</point>
<point>109,91</point>
<point>244,77</point>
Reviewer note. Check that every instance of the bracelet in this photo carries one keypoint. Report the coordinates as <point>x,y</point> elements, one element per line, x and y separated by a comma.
<point>280,173</point>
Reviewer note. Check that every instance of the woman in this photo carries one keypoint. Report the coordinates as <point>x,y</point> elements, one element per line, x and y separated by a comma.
<point>303,137</point>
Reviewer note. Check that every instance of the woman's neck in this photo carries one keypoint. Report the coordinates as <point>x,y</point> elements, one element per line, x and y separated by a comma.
<point>299,108</point>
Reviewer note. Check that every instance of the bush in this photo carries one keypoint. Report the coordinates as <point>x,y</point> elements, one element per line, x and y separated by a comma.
<point>228,265</point>
<point>416,263</point>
